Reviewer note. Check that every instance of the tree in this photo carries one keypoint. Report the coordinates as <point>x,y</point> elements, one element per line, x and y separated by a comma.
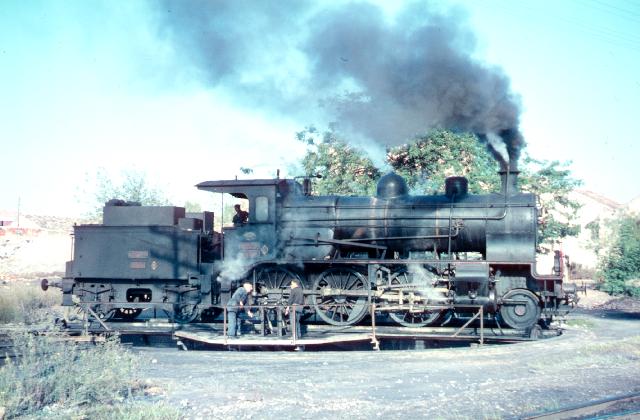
<point>426,161</point>
<point>620,266</point>
<point>429,159</point>
<point>552,182</point>
<point>346,170</point>
<point>133,186</point>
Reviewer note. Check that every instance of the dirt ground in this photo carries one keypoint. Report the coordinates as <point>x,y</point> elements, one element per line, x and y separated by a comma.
<point>598,356</point>
<point>40,250</point>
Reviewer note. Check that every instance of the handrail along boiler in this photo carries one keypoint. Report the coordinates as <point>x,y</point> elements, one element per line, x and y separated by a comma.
<point>421,258</point>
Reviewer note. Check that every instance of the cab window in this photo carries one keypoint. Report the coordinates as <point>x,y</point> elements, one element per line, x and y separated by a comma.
<point>262,209</point>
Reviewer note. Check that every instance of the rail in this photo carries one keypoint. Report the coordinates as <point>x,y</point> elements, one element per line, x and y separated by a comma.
<point>611,407</point>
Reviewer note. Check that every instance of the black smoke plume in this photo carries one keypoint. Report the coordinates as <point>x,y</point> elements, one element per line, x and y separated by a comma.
<point>383,78</point>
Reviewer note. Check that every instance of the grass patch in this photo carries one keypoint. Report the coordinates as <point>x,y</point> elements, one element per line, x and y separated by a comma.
<point>54,378</point>
<point>49,377</point>
<point>132,410</point>
<point>26,303</point>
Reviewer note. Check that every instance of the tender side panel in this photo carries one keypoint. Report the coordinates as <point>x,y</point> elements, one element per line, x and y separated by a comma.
<point>135,252</point>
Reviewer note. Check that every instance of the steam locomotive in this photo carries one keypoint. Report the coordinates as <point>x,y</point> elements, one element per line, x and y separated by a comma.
<point>418,258</point>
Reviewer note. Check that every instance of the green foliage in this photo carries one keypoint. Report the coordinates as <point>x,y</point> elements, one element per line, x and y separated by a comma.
<point>620,266</point>
<point>133,186</point>
<point>345,169</point>
<point>51,372</point>
<point>427,161</point>
<point>134,410</point>
<point>551,181</point>
<point>54,378</point>
<point>26,303</point>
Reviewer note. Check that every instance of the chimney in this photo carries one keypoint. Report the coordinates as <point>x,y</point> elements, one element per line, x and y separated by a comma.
<point>509,179</point>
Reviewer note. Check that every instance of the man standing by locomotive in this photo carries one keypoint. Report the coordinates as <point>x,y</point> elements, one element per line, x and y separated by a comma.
<point>235,305</point>
<point>295,304</point>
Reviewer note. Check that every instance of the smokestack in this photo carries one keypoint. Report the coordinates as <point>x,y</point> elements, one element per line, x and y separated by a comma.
<point>509,180</point>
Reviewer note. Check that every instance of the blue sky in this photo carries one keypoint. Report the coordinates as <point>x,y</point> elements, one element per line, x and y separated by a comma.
<point>86,84</point>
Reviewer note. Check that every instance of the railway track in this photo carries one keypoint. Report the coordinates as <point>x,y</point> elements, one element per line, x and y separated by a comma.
<point>621,407</point>
<point>7,347</point>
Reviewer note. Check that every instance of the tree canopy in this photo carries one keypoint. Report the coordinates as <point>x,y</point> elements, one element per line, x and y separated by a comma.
<point>619,267</point>
<point>428,159</point>
<point>345,169</point>
<point>552,182</point>
<point>132,186</point>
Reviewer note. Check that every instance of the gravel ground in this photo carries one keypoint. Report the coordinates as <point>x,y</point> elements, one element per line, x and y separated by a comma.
<point>597,357</point>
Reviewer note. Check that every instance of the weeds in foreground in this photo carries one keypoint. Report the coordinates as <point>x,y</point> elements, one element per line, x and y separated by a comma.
<point>131,410</point>
<point>26,303</point>
<point>54,378</point>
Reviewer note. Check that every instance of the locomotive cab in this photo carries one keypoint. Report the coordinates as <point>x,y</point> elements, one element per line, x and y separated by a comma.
<point>255,240</point>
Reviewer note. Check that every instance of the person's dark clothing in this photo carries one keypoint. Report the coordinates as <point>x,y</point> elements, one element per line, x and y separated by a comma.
<point>241,217</point>
<point>233,305</point>
<point>296,298</point>
<point>240,296</point>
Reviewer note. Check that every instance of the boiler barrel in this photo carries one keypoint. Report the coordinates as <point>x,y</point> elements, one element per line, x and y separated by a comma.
<point>414,223</point>
<point>403,224</point>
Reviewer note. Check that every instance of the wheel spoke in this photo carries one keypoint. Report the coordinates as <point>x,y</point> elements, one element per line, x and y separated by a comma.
<point>275,281</point>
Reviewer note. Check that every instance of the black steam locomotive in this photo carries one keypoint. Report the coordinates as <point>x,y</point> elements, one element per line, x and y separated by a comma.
<point>418,258</point>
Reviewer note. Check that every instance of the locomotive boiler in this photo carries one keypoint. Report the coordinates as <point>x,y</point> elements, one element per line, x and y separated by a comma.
<point>419,258</point>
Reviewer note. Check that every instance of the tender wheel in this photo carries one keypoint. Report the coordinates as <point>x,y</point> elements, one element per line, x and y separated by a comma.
<point>128,313</point>
<point>338,308</point>
<point>274,282</point>
<point>521,315</point>
<point>104,314</point>
<point>409,318</point>
<point>135,296</point>
<point>183,314</point>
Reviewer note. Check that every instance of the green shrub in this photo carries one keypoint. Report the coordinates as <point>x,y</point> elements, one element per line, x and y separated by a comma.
<point>136,410</point>
<point>49,371</point>
<point>26,303</point>
<point>620,267</point>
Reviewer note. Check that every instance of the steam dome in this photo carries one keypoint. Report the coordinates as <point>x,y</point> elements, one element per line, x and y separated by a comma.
<point>391,185</point>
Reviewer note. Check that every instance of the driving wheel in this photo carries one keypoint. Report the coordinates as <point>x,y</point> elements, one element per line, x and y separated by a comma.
<point>342,296</point>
